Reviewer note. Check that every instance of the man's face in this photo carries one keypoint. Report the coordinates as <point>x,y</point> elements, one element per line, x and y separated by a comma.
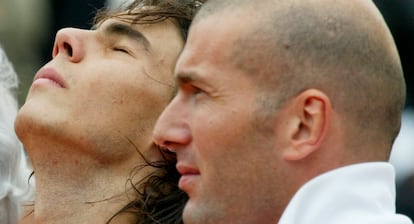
<point>227,163</point>
<point>104,87</point>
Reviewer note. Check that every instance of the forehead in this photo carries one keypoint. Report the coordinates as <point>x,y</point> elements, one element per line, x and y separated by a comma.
<point>168,25</point>
<point>211,42</point>
<point>163,37</point>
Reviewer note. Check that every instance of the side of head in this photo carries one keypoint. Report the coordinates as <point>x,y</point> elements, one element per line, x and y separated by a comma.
<point>330,82</point>
<point>330,78</point>
<point>342,49</point>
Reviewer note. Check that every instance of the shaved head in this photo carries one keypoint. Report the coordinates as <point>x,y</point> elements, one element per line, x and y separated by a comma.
<point>275,93</point>
<point>341,47</point>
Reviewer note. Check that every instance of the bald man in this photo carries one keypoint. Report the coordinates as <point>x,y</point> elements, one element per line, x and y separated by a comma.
<point>286,113</point>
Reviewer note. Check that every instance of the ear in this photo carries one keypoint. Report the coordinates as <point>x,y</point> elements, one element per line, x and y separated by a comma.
<point>311,112</point>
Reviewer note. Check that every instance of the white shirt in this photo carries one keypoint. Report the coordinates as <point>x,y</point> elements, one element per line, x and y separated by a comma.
<point>356,194</point>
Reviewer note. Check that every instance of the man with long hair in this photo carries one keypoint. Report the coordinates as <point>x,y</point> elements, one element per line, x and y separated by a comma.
<point>89,114</point>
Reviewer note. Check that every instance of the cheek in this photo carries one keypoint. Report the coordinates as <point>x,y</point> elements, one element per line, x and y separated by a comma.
<point>222,134</point>
<point>140,104</point>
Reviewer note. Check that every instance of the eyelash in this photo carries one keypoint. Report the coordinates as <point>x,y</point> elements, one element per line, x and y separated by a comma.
<point>120,49</point>
<point>197,90</point>
<point>194,90</point>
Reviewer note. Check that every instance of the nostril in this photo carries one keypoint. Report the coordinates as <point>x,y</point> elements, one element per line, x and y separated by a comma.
<point>68,48</point>
<point>166,146</point>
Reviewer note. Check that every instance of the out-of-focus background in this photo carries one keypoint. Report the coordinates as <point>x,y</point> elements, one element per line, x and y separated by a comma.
<point>28,28</point>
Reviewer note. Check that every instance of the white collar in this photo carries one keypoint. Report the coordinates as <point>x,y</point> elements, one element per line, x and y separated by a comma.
<point>358,194</point>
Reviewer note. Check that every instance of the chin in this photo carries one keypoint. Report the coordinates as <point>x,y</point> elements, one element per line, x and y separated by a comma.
<point>32,121</point>
<point>25,123</point>
<point>22,124</point>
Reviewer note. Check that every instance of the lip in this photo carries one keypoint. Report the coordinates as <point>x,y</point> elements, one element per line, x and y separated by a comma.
<point>187,170</point>
<point>189,177</point>
<point>49,77</point>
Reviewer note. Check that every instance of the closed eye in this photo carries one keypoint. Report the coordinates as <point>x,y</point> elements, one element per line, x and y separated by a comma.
<point>120,49</point>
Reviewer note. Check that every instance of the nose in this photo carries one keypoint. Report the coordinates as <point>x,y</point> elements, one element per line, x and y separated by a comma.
<point>70,42</point>
<point>172,131</point>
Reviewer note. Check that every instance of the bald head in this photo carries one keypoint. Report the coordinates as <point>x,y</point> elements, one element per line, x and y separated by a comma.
<point>341,47</point>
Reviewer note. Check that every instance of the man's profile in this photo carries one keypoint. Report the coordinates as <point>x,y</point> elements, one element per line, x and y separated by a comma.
<point>286,113</point>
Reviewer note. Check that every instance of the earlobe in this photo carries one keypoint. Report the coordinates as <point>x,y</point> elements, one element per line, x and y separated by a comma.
<point>312,110</point>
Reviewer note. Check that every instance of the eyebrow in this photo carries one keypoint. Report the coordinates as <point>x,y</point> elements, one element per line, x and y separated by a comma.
<point>190,77</point>
<point>127,31</point>
<point>185,78</point>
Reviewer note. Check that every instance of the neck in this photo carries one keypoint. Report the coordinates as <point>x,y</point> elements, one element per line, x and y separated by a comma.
<point>74,187</point>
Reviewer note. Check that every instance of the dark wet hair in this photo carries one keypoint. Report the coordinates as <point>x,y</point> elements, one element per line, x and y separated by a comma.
<point>153,11</point>
<point>157,196</point>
